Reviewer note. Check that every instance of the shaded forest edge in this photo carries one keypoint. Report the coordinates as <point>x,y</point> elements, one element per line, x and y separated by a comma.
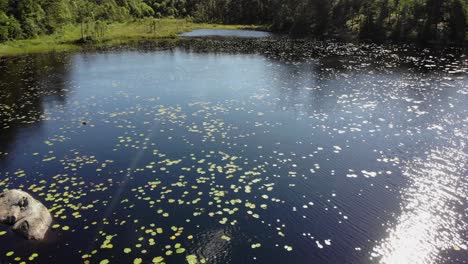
<point>34,25</point>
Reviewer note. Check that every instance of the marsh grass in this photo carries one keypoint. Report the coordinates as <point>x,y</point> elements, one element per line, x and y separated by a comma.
<point>68,38</point>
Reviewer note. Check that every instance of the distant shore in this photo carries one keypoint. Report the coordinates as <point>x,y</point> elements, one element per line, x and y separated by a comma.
<point>70,37</point>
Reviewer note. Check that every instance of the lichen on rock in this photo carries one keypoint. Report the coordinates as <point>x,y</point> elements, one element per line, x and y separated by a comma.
<point>28,216</point>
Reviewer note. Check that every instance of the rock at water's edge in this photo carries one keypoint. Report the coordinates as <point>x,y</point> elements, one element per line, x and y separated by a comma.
<point>28,216</point>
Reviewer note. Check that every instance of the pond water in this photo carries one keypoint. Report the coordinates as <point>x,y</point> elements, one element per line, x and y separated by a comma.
<point>227,33</point>
<point>215,157</point>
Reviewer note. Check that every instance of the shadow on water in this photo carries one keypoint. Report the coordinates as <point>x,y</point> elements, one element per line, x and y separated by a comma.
<point>29,85</point>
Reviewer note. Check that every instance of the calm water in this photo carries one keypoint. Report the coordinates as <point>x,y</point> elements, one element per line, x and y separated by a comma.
<point>238,157</point>
<point>227,33</point>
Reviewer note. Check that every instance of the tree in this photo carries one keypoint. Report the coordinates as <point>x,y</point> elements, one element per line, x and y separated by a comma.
<point>58,14</point>
<point>457,22</point>
<point>9,27</point>
<point>84,15</point>
<point>32,17</point>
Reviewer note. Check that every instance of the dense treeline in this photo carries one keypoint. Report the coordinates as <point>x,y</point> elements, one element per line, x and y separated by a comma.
<point>29,18</point>
<point>399,20</point>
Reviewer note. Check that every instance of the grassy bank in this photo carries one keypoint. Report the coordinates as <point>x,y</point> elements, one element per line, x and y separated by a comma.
<point>115,34</point>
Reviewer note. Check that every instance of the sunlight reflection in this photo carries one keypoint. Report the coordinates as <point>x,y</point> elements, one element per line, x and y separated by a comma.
<point>432,217</point>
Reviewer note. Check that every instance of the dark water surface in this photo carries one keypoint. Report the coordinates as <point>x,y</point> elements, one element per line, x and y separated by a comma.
<point>216,157</point>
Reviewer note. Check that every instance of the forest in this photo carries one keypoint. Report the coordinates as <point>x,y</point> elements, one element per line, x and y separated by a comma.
<point>425,21</point>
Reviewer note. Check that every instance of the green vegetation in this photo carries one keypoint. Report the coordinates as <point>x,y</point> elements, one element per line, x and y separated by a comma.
<point>71,36</point>
<point>441,21</point>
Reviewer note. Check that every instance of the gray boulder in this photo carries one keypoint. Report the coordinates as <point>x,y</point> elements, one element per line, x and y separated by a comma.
<point>28,216</point>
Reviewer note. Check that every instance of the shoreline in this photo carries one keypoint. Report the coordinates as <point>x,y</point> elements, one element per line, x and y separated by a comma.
<point>132,34</point>
<point>116,34</point>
